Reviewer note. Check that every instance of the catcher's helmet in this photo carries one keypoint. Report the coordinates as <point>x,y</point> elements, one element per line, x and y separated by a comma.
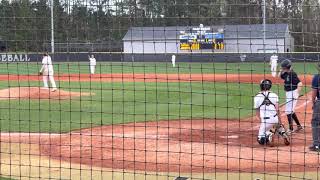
<point>265,85</point>
<point>286,64</point>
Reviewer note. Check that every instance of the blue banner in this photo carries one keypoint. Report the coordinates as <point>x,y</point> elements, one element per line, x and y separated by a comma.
<point>214,36</point>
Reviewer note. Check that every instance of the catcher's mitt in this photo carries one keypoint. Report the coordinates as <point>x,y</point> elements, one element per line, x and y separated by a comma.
<point>40,73</point>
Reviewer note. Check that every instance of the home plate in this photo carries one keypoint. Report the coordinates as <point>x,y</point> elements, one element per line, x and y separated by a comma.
<point>230,137</point>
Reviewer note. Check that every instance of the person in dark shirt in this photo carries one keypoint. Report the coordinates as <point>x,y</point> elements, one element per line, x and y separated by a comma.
<point>292,86</point>
<point>315,122</point>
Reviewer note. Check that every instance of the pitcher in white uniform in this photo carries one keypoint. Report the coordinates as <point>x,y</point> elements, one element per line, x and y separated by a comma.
<point>274,64</point>
<point>266,104</point>
<point>47,72</point>
<point>93,63</point>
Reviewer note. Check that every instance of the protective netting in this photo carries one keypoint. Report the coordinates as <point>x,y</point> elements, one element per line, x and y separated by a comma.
<point>159,89</point>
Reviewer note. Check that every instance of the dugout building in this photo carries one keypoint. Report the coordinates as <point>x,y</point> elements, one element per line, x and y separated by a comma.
<point>197,39</point>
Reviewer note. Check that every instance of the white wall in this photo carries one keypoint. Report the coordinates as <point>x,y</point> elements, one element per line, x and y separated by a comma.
<point>289,42</point>
<point>151,47</point>
<point>231,45</point>
<point>253,45</point>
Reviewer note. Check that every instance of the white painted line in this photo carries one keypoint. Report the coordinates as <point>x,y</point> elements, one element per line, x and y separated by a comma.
<point>304,104</point>
<point>230,137</point>
<point>138,136</point>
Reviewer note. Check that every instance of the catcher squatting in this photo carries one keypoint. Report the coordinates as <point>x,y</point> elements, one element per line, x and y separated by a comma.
<point>266,104</point>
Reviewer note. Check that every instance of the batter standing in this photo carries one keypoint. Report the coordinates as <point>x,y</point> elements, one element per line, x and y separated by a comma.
<point>266,104</point>
<point>292,86</point>
<point>274,64</point>
<point>47,72</point>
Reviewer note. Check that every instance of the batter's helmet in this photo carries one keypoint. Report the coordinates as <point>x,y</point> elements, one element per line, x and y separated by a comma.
<point>286,64</point>
<point>265,85</point>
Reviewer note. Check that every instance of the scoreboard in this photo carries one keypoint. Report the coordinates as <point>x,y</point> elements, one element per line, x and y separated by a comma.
<point>201,38</point>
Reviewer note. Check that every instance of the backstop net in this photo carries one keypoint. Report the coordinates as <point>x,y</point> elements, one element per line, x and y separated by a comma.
<point>159,89</point>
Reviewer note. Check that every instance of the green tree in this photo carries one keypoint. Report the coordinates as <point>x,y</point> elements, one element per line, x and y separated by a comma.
<point>42,24</point>
<point>6,24</point>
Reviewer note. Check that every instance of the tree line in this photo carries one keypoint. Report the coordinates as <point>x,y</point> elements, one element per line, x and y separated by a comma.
<point>26,25</point>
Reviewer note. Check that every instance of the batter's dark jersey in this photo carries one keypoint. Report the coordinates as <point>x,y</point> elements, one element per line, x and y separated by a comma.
<point>291,80</point>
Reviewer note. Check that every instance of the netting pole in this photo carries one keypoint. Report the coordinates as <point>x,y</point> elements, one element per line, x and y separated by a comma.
<point>264,25</point>
<point>52,27</point>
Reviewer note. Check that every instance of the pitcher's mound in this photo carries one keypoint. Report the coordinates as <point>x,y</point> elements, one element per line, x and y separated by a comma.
<point>37,93</point>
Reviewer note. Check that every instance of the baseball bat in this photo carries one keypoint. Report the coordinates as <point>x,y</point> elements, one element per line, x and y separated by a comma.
<point>282,104</point>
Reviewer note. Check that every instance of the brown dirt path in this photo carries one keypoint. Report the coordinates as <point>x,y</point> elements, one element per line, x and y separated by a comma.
<point>200,146</point>
<point>235,78</point>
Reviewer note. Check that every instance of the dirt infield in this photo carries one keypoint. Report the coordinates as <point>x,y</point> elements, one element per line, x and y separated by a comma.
<point>37,93</point>
<point>235,78</point>
<point>183,146</point>
<point>200,146</point>
<point>177,146</point>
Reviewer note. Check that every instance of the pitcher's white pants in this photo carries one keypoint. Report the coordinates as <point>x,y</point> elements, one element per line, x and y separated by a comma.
<point>51,79</point>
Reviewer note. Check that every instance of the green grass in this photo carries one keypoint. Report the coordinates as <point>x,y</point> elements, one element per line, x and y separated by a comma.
<point>137,67</point>
<point>115,103</point>
<point>2,178</point>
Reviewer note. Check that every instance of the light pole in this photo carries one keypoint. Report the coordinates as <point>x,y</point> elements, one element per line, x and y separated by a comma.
<point>52,28</point>
<point>264,25</point>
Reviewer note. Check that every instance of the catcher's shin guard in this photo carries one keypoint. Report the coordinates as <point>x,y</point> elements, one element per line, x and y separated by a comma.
<point>280,129</point>
<point>283,133</point>
<point>265,140</point>
<point>261,140</point>
<point>286,139</point>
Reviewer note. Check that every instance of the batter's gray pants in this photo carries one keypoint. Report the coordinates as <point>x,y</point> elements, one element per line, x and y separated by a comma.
<point>316,124</point>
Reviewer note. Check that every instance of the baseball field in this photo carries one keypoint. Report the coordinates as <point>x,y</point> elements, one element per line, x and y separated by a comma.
<point>146,121</point>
